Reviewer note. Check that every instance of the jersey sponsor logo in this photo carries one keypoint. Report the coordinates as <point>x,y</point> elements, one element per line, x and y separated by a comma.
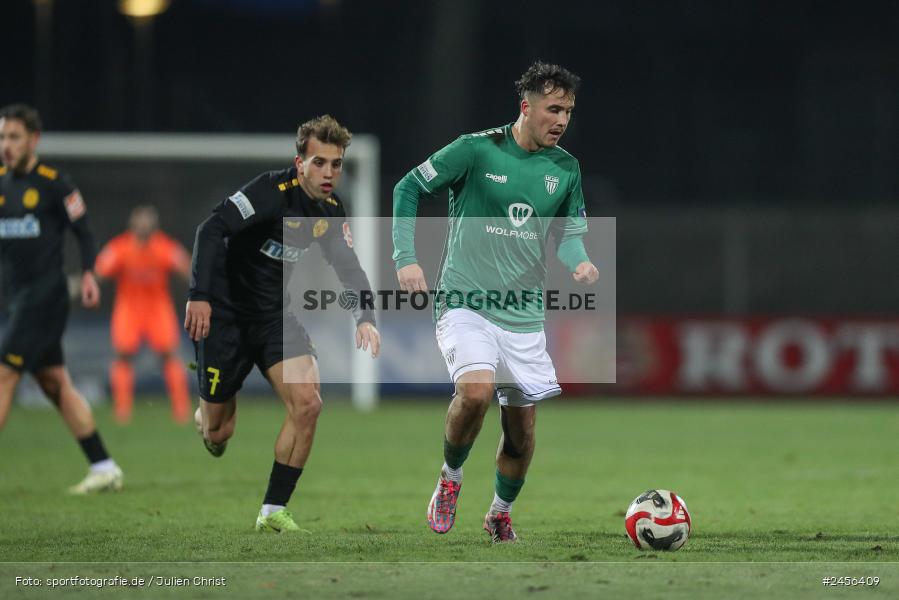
<point>293,223</point>
<point>30,198</point>
<point>279,251</point>
<point>347,235</point>
<point>497,178</point>
<point>26,227</point>
<point>512,233</point>
<point>552,183</point>
<point>15,360</point>
<point>243,204</point>
<point>427,170</point>
<point>519,213</point>
<point>319,229</point>
<point>75,206</point>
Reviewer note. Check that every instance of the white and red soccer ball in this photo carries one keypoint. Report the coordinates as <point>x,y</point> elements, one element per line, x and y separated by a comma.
<point>658,520</point>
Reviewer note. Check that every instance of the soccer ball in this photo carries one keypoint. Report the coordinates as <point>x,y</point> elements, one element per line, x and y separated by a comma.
<point>658,520</point>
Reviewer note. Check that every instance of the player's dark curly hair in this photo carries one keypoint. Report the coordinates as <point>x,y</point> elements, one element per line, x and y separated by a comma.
<point>22,112</point>
<point>545,78</point>
<point>325,129</point>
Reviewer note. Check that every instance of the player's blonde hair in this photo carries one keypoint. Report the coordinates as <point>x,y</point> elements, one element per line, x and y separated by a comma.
<point>325,129</point>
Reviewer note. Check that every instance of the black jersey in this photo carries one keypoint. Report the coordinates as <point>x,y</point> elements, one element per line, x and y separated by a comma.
<point>35,210</point>
<point>241,256</point>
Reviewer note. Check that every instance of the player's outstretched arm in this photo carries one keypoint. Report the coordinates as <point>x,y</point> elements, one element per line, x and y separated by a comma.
<point>351,274</point>
<point>345,263</point>
<point>568,228</point>
<point>207,245</point>
<point>444,168</point>
<point>253,204</point>
<point>197,317</point>
<point>573,255</point>
<point>76,211</point>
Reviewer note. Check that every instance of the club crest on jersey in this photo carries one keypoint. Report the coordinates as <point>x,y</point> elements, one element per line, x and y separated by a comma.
<point>551,182</point>
<point>319,229</point>
<point>519,213</point>
<point>30,198</point>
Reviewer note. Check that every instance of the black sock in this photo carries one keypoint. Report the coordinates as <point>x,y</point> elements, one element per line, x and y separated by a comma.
<point>281,483</point>
<point>93,448</point>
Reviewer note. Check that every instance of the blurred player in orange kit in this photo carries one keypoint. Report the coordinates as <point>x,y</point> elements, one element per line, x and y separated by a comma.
<point>140,260</point>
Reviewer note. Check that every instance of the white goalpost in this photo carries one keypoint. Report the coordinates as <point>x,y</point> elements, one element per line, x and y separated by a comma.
<point>362,183</point>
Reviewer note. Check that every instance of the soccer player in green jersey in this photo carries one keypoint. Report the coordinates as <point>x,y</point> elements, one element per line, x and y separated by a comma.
<point>510,188</point>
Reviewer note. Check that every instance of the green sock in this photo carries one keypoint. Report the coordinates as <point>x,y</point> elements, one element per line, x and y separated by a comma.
<point>454,456</point>
<point>507,489</point>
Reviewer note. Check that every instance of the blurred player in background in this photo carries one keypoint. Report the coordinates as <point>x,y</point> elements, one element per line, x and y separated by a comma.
<point>140,260</point>
<point>518,174</point>
<point>243,255</point>
<point>37,204</point>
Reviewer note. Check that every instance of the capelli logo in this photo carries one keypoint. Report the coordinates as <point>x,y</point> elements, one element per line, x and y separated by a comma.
<point>497,178</point>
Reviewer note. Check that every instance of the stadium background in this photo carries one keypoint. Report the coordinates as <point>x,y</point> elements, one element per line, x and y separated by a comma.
<point>747,151</point>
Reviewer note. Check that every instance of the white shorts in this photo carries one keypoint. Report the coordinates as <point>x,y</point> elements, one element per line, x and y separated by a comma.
<point>523,370</point>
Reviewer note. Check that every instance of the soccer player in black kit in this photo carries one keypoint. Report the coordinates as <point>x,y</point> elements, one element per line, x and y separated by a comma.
<point>37,205</point>
<point>242,255</point>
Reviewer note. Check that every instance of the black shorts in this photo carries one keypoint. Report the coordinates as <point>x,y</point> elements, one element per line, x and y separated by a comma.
<point>227,355</point>
<point>32,337</point>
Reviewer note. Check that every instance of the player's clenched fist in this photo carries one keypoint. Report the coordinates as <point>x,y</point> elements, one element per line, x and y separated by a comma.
<point>196,319</point>
<point>412,279</point>
<point>586,272</point>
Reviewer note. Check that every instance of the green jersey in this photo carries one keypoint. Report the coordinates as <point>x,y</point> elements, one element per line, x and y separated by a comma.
<point>503,203</point>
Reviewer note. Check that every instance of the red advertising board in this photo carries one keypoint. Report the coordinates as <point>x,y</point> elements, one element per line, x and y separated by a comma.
<point>756,355</point>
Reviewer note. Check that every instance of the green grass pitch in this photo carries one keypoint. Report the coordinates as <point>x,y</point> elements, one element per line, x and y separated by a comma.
<point>781,496</point>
